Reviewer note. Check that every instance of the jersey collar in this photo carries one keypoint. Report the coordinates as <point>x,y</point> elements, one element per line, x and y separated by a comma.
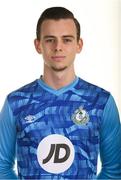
<point>58,91</point>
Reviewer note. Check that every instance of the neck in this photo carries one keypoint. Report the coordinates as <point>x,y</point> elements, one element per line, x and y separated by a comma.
<point>57,80</point>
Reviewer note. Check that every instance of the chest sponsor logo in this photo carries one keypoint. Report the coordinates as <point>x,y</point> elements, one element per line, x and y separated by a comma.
<point>55,153</point>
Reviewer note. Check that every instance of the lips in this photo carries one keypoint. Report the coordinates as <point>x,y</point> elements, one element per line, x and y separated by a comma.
<point>58,58</point>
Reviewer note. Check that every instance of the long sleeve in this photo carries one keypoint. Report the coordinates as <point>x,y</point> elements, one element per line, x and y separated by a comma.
<point>110,142</point>
<point>7,143</point>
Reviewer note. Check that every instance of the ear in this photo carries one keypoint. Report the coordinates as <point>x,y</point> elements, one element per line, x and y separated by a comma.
<point>79,45</point>
<point>37,45</point>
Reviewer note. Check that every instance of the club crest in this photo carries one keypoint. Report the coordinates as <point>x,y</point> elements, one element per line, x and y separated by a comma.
<point>80,116</point>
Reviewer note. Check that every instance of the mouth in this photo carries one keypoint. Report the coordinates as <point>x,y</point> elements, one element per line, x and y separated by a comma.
<point>58,58</point>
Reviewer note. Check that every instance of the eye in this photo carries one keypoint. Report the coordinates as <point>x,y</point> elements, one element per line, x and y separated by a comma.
<point>67,40</point>
<point>50,40</point>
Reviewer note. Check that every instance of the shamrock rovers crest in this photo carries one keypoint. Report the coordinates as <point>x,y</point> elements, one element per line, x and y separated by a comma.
<point>80,116</point>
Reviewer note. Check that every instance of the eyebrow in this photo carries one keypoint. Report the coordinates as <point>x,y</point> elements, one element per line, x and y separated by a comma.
<point>64,36</point>
<point>69,36</point>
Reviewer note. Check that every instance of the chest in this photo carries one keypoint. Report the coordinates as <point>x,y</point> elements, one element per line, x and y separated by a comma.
<point>76,118</point>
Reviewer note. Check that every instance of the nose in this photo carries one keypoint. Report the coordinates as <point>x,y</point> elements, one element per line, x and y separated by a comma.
<point>58,45</point>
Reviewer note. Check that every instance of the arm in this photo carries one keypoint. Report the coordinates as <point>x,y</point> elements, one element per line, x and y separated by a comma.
<point>7,143</point>
<point>110,142</point>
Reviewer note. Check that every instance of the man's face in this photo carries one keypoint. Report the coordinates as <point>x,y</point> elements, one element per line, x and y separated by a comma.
<point>58,43</point>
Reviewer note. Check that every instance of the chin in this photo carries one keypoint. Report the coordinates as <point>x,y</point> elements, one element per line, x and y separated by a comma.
<point>59,69</point>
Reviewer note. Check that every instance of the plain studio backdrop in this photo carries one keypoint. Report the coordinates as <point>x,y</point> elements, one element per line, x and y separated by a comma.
<point>99,61</point>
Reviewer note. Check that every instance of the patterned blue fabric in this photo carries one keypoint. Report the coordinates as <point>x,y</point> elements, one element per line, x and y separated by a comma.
<point>40,111</point>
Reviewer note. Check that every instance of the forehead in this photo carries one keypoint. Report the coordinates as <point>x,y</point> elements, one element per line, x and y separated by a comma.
<point>58,27</point>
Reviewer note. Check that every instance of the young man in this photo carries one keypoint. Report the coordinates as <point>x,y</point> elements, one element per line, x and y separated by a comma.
<point>57,124</point>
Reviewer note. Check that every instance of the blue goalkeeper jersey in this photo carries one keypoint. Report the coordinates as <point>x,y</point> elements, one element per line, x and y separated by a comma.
<point>57,134</point>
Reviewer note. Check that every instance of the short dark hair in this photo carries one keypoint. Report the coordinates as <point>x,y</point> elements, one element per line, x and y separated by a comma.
<point>56,13</point>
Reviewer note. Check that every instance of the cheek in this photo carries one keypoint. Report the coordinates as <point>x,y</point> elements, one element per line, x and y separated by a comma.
<point>45,51</point>
<point>72,52</point>
<point>46,54</point>
<point>72,49</point>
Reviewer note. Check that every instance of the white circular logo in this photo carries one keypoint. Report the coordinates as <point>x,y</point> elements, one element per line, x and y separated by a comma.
<point>55,153</point>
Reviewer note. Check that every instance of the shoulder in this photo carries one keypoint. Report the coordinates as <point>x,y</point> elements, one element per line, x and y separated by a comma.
<point>23,92</point>
<point>92,92</point>
<point>90,86</point>
<point>25,88</point>
<point>28,88</point>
